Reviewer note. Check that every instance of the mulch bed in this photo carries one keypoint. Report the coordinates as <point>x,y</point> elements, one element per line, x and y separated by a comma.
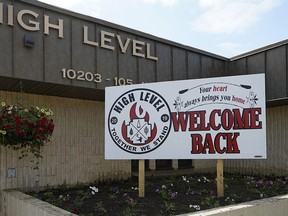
<point>171,195</point>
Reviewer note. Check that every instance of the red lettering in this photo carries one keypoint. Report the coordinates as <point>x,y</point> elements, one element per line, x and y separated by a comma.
<point>240,121</point>
<point>194,126</point>
<point>214,146</point>
<point>227,119</point>
<point>232,146</point>
<point>202,123</point>
<point>212,119</point>
<point>208,144</point>
<point>217,143</point>
<point>179,121</point>
<point>196,143</point>
<point>255,123</point>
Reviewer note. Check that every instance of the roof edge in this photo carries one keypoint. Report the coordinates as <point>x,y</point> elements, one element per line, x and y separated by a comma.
<point>259,50</point>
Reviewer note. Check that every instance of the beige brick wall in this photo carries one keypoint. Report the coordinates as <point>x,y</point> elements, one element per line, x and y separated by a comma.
<point>75,155</point>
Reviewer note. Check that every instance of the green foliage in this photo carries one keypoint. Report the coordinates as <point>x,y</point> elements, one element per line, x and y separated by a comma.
<point>169,207</point>
<point>128,212</point>
<point>99,207</point>
<point>211,202</point>
<point>267,186</point>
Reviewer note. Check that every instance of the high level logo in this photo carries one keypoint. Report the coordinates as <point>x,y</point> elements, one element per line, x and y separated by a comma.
<point>139,121</point>
<point>138,130</point>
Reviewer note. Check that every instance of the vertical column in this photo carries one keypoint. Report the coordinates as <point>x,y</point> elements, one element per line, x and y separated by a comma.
<point>175,164</point>
<point>152,165</point>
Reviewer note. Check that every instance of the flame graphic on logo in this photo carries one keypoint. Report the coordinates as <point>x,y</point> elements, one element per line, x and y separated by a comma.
<point>134,116</point>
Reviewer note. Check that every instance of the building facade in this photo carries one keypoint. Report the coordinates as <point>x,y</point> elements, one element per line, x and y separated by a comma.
<point>59,59</point>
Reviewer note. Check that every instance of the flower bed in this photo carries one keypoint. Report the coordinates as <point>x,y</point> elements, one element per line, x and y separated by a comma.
<point>164,196</point>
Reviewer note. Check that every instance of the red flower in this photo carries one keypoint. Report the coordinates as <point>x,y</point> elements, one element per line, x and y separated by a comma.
<point>17,119</point>
<point>51,127</point>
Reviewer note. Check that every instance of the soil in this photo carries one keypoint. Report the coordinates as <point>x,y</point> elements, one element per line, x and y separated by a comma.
<point>171,195</point>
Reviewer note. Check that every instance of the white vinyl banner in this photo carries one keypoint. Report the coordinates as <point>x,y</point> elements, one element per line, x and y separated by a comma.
<point>213,118</point>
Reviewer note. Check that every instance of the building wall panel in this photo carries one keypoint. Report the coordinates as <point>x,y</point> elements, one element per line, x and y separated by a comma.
<point>194,65</point>
<point>147,71</point>
<point>219,68</point>
<point>272,62</point>
<point>179,64</point>
<point>240,67</point>
<point>6,47</point>
<point>276,73</point>
<point>83,55</point>
<point>256,63</point>
<point>164,65</point>
<point>207,67</point>
<point>57,51</point>
<point>27,61</point>
<point>148,68</point>
<point>128,64</point>
<point>107,60</point>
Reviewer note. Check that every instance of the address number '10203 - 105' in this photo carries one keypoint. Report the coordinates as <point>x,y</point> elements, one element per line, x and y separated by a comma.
<point>92,77</point>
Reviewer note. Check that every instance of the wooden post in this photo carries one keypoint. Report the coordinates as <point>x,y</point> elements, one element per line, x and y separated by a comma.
<point>220,182</point>
<point>141,178</point>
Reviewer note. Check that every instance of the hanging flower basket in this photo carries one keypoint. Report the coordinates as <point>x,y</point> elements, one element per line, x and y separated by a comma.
<point>25,128</point>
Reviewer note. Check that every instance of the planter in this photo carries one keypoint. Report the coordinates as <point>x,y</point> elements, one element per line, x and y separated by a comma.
<point>17,203</point>
<point>25,128</point>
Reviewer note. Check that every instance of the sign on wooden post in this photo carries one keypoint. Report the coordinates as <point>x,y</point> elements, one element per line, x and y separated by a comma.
<point>213,118</point>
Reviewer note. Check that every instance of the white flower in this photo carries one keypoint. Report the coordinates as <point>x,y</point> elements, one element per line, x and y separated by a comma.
<point>197,207</point>
<point>94,189</point>
<point>3,104</point>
